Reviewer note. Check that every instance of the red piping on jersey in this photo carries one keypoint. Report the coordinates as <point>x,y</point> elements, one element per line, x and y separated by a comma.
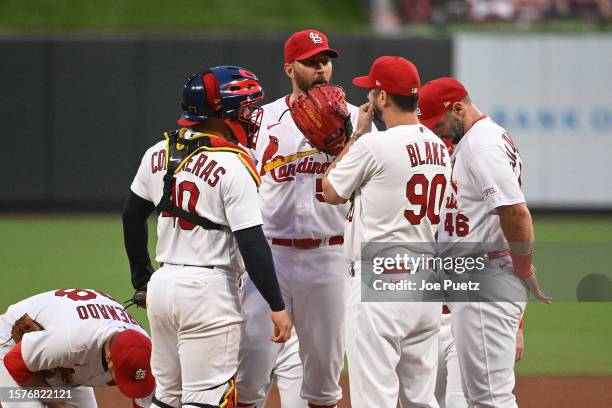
<point>222,144</point>
<point>14,363</point>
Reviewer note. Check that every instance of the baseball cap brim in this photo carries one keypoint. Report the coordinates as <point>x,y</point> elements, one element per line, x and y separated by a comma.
<point>364,82</point>
<point>430,123</point>
<point>135,389</point>
<point>330,51</point>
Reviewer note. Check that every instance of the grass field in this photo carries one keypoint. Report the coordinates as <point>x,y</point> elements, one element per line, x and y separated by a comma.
<point>40,253</point>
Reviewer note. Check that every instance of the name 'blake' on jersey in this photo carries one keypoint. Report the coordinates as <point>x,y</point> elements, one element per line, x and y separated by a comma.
<point>292,179</point>
<point>399,178</point>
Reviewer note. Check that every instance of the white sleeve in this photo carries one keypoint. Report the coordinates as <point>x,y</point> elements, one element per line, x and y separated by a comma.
<point>46,349</point>
<point>353,169</point>
<point>144,402</point>
<point>497,181</point>
<point>141,180</point>
<point>241,200</point>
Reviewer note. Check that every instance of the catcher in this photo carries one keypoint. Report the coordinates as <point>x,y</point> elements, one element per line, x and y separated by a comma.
<point>75,339</point>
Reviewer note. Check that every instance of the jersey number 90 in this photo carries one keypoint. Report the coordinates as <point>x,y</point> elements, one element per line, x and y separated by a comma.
<point>428,195</point>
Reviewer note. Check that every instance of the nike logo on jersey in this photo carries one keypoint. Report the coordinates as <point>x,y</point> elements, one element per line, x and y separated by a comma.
<point>272,125</point>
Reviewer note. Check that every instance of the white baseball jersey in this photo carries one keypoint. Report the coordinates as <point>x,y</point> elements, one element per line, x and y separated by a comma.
<point>215,185</point>
<point>76,324</point>
<point>486,174</point>
<point>399,178</point>
<point>292,174</point>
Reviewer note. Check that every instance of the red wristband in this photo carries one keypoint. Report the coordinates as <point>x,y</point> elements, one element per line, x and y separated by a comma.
<point>522,264</point>
<point>522,323</point>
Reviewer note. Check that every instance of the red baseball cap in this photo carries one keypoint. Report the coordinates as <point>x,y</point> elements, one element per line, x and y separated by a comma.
<point>437,97</point>
<point>395,75</point>
<point>130,353</point>
<point>304,44</point>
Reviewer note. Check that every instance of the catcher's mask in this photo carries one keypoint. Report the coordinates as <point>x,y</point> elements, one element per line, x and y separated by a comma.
<point>227,92</point>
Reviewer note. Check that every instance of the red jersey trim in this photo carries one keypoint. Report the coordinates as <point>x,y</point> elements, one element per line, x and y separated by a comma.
<point>14,363</point>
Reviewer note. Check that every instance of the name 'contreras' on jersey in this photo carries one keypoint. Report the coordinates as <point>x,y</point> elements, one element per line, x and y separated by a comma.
<point>76,324</point>
<point>292,174</point>
<point>486,174</point>
<point>215,185</point>
<point>399,178</point>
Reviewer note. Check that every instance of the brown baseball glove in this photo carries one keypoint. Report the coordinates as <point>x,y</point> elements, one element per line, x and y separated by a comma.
<point>25,324</point>
<point>322,116</point>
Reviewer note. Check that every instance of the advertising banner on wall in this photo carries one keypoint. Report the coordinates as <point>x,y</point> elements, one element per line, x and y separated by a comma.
<point>553,94</point>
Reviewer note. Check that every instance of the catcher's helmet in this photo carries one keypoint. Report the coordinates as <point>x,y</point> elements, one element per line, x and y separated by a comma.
<point>226,92</point>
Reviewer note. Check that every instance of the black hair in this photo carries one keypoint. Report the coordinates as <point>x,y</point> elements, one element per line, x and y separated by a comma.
<point>405,103</point>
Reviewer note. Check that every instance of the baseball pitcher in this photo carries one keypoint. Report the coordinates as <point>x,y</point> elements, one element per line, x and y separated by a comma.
<point>301,134</point>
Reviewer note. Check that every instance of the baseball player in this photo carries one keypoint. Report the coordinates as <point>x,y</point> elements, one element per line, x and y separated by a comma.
<point>306,239</point>
<point>485,205</point>
<point>204,185</point>
<point>397,178</point>
<point>79,338</point>
<point>449,392</point>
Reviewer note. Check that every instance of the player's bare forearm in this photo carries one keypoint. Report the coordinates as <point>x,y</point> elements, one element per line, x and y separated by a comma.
<point>339,157</point>
<point>517,226</point>
<point>364,125</point>
<point>329,193</point>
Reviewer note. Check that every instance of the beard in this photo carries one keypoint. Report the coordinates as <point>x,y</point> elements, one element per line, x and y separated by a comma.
<point>305,84</point>
<point>457,132</point>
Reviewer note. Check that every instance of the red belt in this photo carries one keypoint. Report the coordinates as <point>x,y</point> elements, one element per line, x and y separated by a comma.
<point>307,243</point>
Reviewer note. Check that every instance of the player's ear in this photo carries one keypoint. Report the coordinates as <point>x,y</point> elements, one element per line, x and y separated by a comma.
<point>384,97</point>
<point>289,69</point>
<point>458,108</point>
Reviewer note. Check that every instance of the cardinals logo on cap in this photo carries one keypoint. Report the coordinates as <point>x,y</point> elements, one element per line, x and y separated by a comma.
<point>140,374</point>
<point>316,38</point>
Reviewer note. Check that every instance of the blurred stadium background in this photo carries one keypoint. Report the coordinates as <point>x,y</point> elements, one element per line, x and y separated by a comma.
<point>87,85</point>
